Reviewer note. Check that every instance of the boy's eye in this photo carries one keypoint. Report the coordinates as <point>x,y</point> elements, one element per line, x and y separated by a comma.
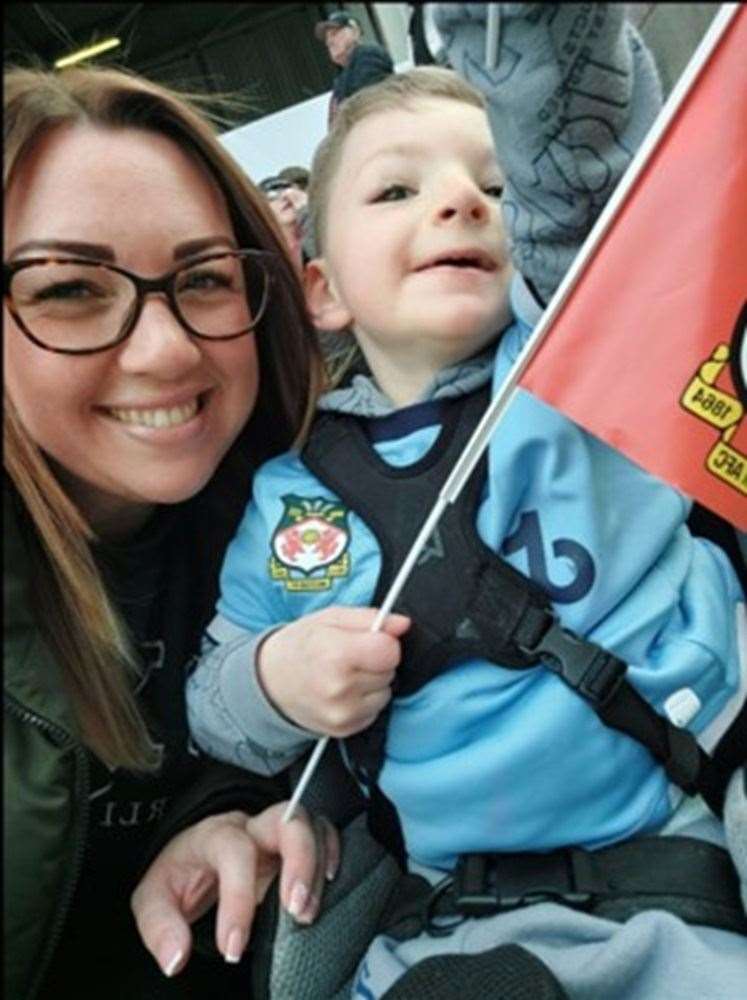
<point>494,190</point>
<point>395,192</point>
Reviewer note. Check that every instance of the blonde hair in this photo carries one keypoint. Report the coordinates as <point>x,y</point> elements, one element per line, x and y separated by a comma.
<point>87,636</point>
<point>399,91</point>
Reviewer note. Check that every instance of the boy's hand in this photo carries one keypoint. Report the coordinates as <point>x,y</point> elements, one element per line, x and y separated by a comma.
<point>328,672</point>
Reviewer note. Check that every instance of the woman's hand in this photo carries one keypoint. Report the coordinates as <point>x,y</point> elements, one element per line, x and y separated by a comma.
<point>232,858</point>
<point>328,672</point>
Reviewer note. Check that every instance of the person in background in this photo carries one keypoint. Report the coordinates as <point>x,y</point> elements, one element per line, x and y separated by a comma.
<point>288,201</point>
<point>298,176</point>
<point>156,349</point>
<point>360,64</point>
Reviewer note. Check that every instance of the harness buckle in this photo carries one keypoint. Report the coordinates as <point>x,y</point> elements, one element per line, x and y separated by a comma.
<point>474,895</point>
<point>485,884</point>
<point>585,666</point>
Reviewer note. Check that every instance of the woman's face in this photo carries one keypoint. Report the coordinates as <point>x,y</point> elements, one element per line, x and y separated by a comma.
<point>147,421</point>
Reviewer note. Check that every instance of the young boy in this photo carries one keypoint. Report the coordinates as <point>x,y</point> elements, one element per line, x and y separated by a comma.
<point>481,755</point>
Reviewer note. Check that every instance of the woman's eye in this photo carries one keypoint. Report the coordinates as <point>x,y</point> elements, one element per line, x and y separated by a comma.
<point>494,190</point>
<point>66,290</point>
<point>395,192</point>
<point>201,281</point>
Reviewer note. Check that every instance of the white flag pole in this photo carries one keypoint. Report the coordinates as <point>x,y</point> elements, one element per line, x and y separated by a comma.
<point>503,397</point>
<point>492,35</point>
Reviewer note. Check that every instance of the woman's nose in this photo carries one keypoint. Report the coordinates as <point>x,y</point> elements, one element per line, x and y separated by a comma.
<point>159,345</point>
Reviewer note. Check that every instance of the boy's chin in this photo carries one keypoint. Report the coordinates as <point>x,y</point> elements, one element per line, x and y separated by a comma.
<point>467,335</point>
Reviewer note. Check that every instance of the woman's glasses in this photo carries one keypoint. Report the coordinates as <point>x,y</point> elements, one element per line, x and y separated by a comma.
<point>75,305</point>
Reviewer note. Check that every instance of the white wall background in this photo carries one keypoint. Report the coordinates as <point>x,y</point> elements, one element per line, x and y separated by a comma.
<point>287,138</point>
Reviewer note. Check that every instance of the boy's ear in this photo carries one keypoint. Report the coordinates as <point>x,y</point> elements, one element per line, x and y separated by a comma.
<point>322,300</point>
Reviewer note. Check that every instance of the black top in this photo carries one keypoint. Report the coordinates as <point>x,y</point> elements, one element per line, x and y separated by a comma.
<point>368,64</point>
<point>165,591</point>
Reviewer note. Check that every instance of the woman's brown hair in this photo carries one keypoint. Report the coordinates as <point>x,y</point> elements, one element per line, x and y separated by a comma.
<point>87,635</point>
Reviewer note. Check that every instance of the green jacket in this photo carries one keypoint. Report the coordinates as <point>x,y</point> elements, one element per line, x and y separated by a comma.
<point>47,778</point>
<point>46,784</point>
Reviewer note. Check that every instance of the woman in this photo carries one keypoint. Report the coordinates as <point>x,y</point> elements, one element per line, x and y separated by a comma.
<point>156,351</point>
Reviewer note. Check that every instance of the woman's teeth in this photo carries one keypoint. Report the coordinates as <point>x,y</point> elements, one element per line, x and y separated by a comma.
<point>170,416</point>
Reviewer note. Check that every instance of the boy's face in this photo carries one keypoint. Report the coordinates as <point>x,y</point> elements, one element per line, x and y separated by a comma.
<point>415,252</point>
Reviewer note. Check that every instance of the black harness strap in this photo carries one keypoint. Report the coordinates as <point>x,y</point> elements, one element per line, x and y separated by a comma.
<point>489,605</point>
<point>465,601</point>
<point>692,878</point>
<point>598,676</point>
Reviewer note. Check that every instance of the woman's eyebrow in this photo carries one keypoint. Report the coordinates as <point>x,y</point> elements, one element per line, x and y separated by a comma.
<point>99,251</point>
<point>191,247</point>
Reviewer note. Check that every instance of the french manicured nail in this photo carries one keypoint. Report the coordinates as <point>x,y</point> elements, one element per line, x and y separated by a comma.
<point>299,897</point>
<point>331,872</point>
<point>170,960</point>
<point>235,946</point>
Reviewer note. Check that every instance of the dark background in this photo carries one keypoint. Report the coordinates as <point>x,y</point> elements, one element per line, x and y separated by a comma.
<point>265,52</point>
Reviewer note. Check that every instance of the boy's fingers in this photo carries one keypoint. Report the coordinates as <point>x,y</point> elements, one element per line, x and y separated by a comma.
<point>373,681</point>
<point>373,704</point>
<point>360,619</point>
<point>396,624</point>
<point>375,652</point>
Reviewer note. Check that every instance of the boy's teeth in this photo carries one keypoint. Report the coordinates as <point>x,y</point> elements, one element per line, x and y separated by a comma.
<point>163,417</point>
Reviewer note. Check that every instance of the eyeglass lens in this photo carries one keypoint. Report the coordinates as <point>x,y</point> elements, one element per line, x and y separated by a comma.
<point>79,306</point>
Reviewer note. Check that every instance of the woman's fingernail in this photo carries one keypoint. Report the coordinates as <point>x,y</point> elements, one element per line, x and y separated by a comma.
<point>235,946</point>
<point>299,897</point>
<point>331,872</point>
<point>171,960</point>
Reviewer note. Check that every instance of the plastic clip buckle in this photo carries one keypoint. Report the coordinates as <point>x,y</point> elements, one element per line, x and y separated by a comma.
<point>586,667</point>
<point>473,895</point>
<point>485,884</point>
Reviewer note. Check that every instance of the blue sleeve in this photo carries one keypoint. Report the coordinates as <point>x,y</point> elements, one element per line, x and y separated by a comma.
<point>571,94</point>
<point>230,716</point>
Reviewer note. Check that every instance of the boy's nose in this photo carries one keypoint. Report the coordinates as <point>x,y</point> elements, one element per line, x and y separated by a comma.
<point>465,201</point>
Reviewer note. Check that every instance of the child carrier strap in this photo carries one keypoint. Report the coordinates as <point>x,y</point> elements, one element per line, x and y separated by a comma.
<point>466,601</point>
<point>693,879</point>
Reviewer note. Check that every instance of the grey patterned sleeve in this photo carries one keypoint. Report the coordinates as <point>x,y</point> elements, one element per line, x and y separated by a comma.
<point>571,92</point>
<point>230,716</point>
<point>735,823</point>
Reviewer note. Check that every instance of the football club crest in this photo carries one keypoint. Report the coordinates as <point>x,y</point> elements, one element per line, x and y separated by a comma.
<point>310,544</point>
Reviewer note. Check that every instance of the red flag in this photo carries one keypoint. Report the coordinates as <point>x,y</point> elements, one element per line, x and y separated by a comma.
<point>649,350</point>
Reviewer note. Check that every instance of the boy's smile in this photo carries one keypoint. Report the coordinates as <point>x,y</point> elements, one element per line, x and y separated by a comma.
<point>415,250</point>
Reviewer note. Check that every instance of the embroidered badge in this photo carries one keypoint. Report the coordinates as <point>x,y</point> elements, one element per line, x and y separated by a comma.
<point>714,404</point>
<point>310,544</point>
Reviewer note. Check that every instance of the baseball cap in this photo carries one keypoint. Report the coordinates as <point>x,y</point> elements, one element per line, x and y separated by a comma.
<point>271,185</point>
<point>299,176</point>
<point>338,19</point>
